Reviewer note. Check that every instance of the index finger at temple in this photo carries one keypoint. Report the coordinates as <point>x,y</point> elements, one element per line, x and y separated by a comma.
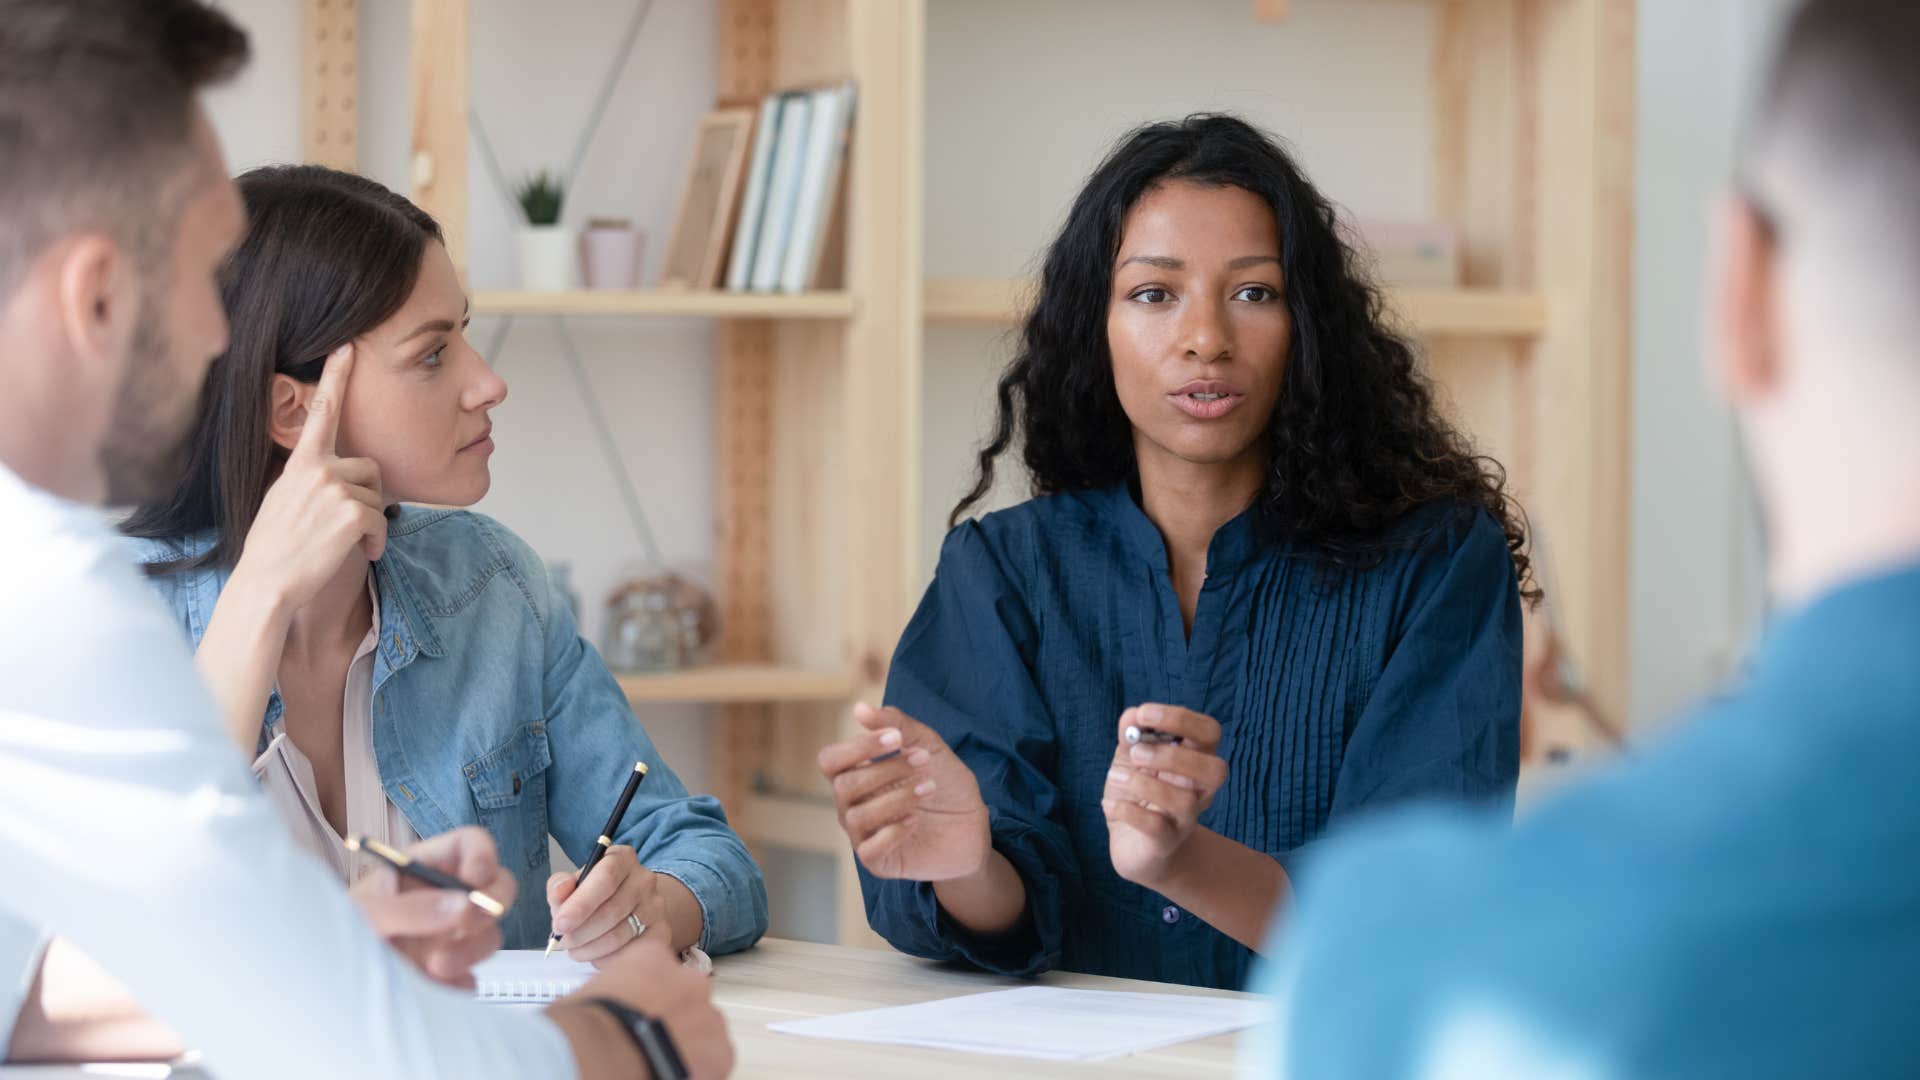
<point>322,428</point>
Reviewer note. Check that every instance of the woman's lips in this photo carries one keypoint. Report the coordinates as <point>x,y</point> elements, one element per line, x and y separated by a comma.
<point>1206,400</point>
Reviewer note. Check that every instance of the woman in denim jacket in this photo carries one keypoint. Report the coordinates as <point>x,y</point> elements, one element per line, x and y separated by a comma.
<point>401,671</point>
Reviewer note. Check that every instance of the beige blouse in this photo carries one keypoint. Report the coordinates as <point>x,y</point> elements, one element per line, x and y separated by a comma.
<point>287,776</point>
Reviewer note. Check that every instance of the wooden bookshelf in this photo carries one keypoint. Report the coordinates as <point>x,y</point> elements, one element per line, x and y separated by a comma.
<point>1481,312</point>
<point>737,684</point>
<point>705,303</point>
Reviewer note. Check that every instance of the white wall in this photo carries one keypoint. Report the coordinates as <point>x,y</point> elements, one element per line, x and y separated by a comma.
<point>1696,583</point>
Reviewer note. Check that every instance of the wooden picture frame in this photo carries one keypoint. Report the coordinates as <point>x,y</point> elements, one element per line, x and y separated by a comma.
<point>709,200</point>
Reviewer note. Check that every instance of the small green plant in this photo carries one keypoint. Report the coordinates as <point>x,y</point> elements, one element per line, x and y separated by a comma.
<point>539,197</point>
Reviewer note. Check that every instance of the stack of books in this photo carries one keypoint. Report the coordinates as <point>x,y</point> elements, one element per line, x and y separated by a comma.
<point>788,236</point>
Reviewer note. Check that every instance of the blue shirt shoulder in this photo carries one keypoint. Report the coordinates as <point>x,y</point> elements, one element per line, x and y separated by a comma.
<point>1723,903</point>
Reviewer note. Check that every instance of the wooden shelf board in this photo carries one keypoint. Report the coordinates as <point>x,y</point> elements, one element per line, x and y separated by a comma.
<point>707,303</point>
<point>737,684</point>
<point>1452,312</point>
<point>794,823</point>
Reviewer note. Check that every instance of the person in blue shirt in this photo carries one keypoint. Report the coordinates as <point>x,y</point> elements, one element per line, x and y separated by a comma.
<point>1741,898</point>
<point>396,670</point>
<point>1252,530</point>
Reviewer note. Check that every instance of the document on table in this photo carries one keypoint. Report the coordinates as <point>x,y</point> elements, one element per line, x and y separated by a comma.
<point>1050,1022</point>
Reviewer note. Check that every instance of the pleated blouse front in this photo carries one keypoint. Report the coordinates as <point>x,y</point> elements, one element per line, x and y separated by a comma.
<point>1337,689</point>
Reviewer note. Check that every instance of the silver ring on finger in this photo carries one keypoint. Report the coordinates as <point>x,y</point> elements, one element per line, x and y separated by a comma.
<point>634,924</point>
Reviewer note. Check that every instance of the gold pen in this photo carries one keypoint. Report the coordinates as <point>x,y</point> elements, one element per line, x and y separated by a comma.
<point>404,863</point>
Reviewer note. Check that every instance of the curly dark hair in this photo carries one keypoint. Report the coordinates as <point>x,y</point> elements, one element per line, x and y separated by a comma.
<point>1356,440</point>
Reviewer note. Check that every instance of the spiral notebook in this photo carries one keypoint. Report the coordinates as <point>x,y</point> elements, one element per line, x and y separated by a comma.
<point>524,977</point>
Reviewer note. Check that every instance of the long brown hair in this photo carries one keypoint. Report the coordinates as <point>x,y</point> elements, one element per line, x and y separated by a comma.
<point>327,257</point>
<point>1357,439</point>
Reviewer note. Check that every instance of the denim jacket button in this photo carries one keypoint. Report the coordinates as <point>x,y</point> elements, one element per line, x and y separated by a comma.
<point>1169,914</point>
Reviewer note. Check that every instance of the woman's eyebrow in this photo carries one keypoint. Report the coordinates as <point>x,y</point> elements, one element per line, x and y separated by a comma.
<point>1168,262</point>
<point>441,325</point>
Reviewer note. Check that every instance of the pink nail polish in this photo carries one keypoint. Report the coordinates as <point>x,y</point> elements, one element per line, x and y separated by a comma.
<point>1118,776</point>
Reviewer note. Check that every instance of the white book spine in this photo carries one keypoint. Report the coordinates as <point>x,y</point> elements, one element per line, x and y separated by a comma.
<point>754,204</point>
<point>783,190</point>
<point>810,210</point>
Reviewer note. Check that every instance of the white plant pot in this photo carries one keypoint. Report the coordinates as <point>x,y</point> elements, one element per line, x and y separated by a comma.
<point>549,258</point>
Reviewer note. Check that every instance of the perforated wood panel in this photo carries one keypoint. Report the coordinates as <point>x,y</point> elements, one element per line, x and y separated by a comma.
<point>329,60</point>
<point>746,58</point>
<point>743,434</point>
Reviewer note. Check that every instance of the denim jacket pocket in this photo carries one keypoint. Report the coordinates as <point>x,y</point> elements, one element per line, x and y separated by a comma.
<point>509,785</point>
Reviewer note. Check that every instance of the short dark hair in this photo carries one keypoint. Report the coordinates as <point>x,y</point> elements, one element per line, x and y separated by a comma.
<point>327,257</point>
<point>1831,150</point>
<point>1357,440</point>
<point>96,107</point>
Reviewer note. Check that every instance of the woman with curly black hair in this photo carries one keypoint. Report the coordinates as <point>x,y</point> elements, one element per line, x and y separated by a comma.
<point>1254,545</point>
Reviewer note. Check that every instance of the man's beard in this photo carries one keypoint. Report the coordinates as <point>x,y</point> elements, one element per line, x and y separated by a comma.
<point>146,452</point>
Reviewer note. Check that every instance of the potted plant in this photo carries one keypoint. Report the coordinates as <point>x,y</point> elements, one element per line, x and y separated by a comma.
<point>549,253</point>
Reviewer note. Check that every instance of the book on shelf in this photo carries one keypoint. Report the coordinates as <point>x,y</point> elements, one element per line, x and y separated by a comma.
<point>832,120</point>
<point>783,192</point>
<point>789,232</point>
<point>753,203</point>
<point>1410,254</point>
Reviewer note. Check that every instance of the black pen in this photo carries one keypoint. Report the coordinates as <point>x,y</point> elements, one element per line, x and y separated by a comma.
<point>606,835</point>
<point>405,864</point>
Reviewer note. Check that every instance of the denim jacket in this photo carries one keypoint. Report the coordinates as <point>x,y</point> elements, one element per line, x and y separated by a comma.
<point>489,709</point>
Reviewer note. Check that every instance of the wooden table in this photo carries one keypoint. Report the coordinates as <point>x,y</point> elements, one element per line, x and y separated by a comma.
<point>792,980</point>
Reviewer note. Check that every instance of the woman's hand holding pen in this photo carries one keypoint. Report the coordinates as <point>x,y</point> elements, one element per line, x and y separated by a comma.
<point>911,807</point>
<point>592,920</point>
<point>320,507</point>
<point>1156,790</point>
<point>438,930</point>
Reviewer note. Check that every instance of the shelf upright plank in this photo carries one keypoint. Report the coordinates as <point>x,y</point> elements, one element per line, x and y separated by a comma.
<point>329,59</point>
<point>743,447</point>
<point>1483,128</point>
<point>1583,379</point>
<point>440,59</point>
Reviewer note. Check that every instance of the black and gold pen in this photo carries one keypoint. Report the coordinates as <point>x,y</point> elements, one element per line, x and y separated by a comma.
<point>405,864</point>
<point>606,834</point>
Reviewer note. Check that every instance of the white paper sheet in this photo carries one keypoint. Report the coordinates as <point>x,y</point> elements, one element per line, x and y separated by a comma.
<point>1054,1023</point>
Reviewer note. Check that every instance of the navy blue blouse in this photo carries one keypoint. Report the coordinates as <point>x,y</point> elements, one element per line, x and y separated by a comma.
<point>1337,689</point>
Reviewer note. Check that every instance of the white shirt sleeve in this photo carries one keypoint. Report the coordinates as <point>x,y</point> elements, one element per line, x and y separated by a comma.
<point>130,825</point>
<point>21,946</point>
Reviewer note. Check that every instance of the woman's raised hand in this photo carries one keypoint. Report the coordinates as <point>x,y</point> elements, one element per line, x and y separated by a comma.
<point>912,809</point>
<point>321,506</point>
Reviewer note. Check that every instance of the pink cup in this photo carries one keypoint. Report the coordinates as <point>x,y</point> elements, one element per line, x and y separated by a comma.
<point>610,256</point>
